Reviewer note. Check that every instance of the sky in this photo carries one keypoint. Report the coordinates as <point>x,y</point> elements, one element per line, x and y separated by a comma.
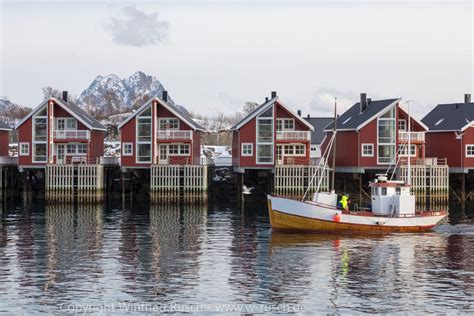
<point>212,56</point>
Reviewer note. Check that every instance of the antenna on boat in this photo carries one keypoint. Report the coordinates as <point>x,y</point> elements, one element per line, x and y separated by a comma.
<point>334,131</point>
<point>409,102</point>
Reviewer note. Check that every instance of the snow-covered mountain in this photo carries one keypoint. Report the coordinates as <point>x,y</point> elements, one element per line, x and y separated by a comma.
<point>11,112</point>
<point>108,95</point>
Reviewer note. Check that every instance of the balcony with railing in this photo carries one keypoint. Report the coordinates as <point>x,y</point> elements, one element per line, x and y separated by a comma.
<point>71,134</point>
<point>293,135</point>
<point>415,137</point>
<point>174,135</point>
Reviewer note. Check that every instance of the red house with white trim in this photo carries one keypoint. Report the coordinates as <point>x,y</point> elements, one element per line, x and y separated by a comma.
<point>271,134</point>
<point>159,133</point>
<point>58,132</point>
<point>373,134</point>
<point>451,134</point>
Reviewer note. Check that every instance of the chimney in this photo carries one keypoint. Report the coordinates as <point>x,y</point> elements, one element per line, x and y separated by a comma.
<point>165,96</point>
<point>65,96</point>
<point>274,94</point>
<point>363,102</point>
<point>467,98</point>
<point>308,116</point>
<point>299,112</point>
<point>369,100</point>
<point>266,99</point>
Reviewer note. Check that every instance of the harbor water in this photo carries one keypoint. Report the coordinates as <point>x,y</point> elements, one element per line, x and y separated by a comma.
<point>137,258</point>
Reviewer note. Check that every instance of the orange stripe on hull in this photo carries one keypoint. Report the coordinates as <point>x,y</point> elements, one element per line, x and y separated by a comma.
<point>294,223</point>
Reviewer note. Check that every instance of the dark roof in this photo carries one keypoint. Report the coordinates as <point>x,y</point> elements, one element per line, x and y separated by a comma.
<point>353,118</point>
<point>184,114</point>
<point>319,125</point>
<point>4,126</point>
<point>83,115</point>
<point>450,117</point>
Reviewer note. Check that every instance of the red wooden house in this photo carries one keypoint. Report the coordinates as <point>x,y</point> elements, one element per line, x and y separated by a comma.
<point>56,132</point>
<point>451,134</point>
<point>4,139</point>
<point>373,134</point>
<point>271,134</point>
<point>159,133</point>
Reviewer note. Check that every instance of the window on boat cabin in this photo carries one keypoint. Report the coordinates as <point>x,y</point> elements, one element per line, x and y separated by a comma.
<point>168,123</point>
<point>402,125</point>
<point>24,149</point>
<point>470,151</point>
<point>384,191</point>
<point>402,149</point>
<point>375,191</point>
<point>247,149</point>
<point>367,150</point>
<point>127,149</point>
<point>398,191</point>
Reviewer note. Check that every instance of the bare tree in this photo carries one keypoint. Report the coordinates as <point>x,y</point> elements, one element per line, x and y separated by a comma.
<point>50,92</point>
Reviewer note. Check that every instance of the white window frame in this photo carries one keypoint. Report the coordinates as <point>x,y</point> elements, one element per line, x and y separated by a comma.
<point>394,144</point>
<point>472,150</point>
<point>21,153</point>
<point>406,151</point>
<point>270,143</point>
<point>142,142</point>
<point>404,125</point>
<point>282,121</point>
<point>124,152</point>
<point>165,119</point>
<point>367,145</point>
<point>35,142</point>
<point>243,154</point>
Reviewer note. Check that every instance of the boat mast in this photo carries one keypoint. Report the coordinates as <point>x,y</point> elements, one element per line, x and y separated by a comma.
<point>409,142</point>
<point>334,131</point>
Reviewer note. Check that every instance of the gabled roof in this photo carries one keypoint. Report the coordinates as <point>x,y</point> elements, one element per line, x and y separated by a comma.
<point>4,126</point>
<point>319,124</point>
<point>262,108</point>
<point>353,119</point>
<point>172,108</point>
<point>81,115</point>
<point>414,118</point>
<point>450,117</point>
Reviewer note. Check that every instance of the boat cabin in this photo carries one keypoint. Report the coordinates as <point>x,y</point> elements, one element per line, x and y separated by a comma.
<point>391,198</point>
<point>58,131</point>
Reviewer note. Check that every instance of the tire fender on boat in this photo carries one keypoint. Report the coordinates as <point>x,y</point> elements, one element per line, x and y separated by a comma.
<point>337,218</point>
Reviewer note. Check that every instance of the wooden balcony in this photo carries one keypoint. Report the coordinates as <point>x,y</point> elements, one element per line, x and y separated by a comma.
<point>174,134</point>
<point>293,135</point>
<point>71,134</point>
<point>415,137</point>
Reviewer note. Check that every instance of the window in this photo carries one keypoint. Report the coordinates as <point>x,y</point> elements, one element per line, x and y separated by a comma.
<point>127,149</point>
<point>300,150</point>
<point>384,191</point>
<point>144,129</point>
<point>289,150</point>
<point>168,123</point>
<point>470,151</point>
<point>144,152</point>
<point>346,120</point>
<point>39,153</point>
<point>61,123</point>
<point>173,149</point>
<point>402,125</point>
<point>386,137</point>
<point>184,149</point>
<point>71,124</point>
<point>398,191</point>
<point>81,149</point>
<point>367,150</point>
<point>285,124</point>
<point>265,137</point>
<point>71,149</point>
<point>40,129</point>
<point>24,149</point>
<point>439,122</point>
<point>247,149</point>
<point>402,149</point>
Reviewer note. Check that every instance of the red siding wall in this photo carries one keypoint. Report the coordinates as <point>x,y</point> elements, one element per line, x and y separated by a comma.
<point>127,135</point>
<point>96,146</point>
<point>4,143</point>
<point>24,136</point>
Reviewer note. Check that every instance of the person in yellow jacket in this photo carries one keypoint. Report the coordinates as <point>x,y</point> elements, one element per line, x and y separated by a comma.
<point>344,202</point>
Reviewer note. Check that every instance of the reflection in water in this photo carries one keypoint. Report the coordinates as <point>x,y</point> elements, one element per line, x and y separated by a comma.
<point>182,254</point>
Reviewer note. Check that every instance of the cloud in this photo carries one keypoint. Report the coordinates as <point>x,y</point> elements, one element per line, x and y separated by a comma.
<point>132,27</point>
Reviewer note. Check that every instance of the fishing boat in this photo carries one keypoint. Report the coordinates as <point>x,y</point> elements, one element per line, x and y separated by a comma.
<point>393,208</point>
